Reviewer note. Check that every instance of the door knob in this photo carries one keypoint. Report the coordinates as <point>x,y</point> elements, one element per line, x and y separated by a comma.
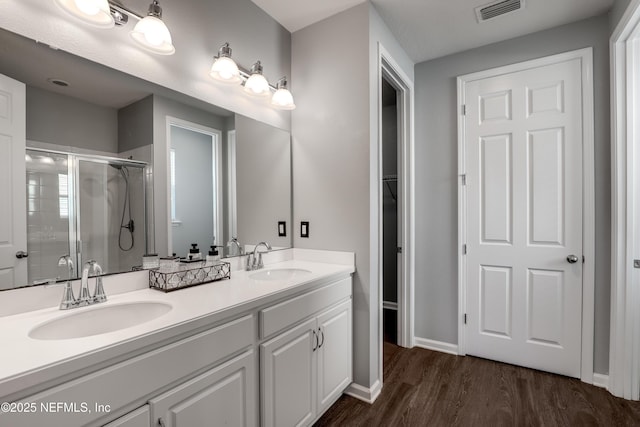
<point>21,254</point>
<point>572,259</point>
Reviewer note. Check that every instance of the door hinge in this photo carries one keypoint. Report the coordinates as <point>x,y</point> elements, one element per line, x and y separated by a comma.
<point>465,318</point>
<point>464,249</point>
<point>463,179</point>
<point>399,249</point>
<point>464,109</point>
<point>636,263</point>
<point>583,259</point>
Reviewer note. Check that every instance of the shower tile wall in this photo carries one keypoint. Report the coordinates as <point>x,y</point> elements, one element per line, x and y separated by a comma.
<point>47,215</point>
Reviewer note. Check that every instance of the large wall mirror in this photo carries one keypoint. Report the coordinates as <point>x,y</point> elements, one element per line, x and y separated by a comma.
<point>118,167</point>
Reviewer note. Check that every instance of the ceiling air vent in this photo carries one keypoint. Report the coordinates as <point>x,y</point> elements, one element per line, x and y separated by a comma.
<point>495,9</point>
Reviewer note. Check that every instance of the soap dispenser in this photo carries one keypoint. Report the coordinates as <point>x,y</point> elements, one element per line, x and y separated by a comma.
<point>213,255</point>
<point>194,253</point>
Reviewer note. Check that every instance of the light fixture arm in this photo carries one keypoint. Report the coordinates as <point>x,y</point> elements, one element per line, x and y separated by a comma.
<point>121,13</point>
<point>224,51</point>
<point>155,9</point>
<point>282,83</point>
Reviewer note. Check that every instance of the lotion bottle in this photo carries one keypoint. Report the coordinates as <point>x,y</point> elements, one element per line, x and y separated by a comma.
<point>194,253</point>
<point>213,255</point>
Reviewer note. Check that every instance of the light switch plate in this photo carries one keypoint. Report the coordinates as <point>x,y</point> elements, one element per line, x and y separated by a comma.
<point>282,229</point>
<point>304,229</point>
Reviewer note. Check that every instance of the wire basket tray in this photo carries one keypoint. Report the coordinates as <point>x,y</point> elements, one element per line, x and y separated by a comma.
<point>184,276</point>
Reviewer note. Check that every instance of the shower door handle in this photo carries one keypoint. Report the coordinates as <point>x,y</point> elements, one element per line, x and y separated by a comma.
<point>21,254</point>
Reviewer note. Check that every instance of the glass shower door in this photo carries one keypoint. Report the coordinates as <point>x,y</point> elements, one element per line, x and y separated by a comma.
<point>49,213</point>
<point>111,212</point>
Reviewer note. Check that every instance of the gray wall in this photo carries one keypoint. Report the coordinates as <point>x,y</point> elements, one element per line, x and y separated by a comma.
<point>263,182</point>
<point>335,140</point>
<point>194,191</point>
<point>135,125</point>
<point>617,10</point>
<point>330,129</point>
<point>66,121</point>
<point>436,168</point>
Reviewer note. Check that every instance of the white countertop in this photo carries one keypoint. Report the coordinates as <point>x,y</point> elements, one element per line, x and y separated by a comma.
<point>26,362</point>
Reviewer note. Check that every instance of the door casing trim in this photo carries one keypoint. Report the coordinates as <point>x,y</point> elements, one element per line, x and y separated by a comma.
<point>624,347</point>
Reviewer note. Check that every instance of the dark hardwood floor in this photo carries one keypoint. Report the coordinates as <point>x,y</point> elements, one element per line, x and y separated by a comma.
<point>427,388</point>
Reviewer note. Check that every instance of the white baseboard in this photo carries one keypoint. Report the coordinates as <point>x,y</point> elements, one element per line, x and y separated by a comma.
<point>440,346</point>
<point>366,394</point>
<point>601,380</point>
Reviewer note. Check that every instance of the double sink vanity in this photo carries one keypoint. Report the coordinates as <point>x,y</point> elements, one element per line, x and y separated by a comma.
<point>270,347</point>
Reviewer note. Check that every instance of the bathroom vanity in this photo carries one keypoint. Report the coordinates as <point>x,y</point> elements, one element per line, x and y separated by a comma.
<point>270,347</point>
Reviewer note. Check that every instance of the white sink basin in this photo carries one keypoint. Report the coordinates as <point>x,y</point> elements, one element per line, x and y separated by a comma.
<point>100,319</point>
<point>279,274</point>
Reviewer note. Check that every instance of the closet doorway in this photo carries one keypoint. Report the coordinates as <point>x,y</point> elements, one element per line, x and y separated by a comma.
<point>391,213</point>
<point>395,218</point>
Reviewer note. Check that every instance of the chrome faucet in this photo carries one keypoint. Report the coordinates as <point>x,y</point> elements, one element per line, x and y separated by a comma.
<point>84,297</point>
<point>98,291</point>
<point>68,300</point>
<point>254,263</point>
<point>234,241</point>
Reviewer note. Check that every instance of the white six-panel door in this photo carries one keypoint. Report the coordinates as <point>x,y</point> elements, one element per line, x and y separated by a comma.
<point>523,160</point>
<point>13,218</point>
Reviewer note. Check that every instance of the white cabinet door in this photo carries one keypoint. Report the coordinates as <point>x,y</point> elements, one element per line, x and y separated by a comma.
<point>334,354</point>
<point>13,211</point>
<point>288,386</point>
<point>137,418</point>
<point>224,396</point>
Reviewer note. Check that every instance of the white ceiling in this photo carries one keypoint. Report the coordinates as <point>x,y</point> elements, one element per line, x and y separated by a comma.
<point>428,29</point>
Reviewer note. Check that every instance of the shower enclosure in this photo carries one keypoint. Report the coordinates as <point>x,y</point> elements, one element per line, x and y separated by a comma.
<point>90,207</point>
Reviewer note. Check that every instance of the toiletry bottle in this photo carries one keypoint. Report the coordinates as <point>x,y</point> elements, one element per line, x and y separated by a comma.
<point>194,253</point>
<point>213,255</point>
<point>150,261</point>
<point>169,262</point>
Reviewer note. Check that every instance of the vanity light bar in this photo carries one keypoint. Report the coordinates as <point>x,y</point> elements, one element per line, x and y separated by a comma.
<point>150,32</point>
<point>281,99</point>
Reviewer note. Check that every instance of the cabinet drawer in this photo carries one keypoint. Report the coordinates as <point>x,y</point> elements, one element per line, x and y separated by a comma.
<point>286,313</point>
<point>143,375</point>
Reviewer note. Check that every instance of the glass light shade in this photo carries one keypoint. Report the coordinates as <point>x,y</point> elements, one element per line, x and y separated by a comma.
<point>257,85</point>
<point>224,69</point>
<point>92,12</point>
<point>153,35</point>
<point>283,99</point>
